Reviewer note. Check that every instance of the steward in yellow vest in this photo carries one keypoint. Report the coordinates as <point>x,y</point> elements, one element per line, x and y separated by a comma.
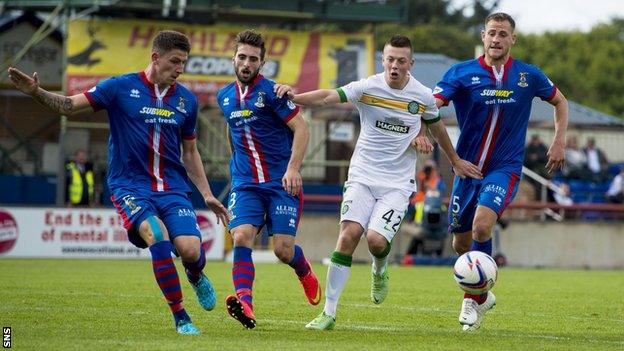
<point>80,188</point>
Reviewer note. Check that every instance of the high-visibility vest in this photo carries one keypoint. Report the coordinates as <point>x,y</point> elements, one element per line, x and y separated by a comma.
<point>75,184</point>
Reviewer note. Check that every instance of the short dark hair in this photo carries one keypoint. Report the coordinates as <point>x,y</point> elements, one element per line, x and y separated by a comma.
<point>399,41</point>
<point>253,38</point>
<point>501,17</point>
<point>167,40</point>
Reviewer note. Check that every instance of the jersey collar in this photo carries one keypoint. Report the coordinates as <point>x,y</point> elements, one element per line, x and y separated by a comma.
<point>490,69</point>
<point>150,85</point>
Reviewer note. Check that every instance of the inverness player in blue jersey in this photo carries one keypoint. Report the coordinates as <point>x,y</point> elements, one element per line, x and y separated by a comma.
<point>492,97</point>
<point>268,138</point>
<point>152,154</point>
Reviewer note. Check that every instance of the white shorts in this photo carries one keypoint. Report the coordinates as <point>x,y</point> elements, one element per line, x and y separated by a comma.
<point>378,208</point>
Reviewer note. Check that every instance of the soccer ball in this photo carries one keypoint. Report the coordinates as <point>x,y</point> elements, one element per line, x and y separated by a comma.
<point>476,272</point>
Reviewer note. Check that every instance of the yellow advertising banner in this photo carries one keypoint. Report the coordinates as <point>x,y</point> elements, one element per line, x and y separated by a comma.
<point>98,49</point>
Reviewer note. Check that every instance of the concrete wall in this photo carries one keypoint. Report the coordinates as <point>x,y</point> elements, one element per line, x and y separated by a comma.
<point>526,244</point>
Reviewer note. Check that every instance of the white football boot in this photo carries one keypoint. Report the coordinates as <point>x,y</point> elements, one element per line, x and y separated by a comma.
<point>481,309</point>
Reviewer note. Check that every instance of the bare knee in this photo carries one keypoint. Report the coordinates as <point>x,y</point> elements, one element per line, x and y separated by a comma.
<point>377,243</point>
<point>482,229</point>
<point>349,237</point>
<point>243,235</point>
<point>189,253</point>
<point>462,243</point>
<point>284,254</point>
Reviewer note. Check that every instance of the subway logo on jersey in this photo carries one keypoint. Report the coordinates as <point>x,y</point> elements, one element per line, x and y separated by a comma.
<point>392,125</point>
<point>496,92</point>
<point>154,111</point>
<point>241,114</point>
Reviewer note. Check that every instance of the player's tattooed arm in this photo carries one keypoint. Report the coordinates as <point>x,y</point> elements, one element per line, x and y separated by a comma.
<point>66,105</point>
<point>58,103</point>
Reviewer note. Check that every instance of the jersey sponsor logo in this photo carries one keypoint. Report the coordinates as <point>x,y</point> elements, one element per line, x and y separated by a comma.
<point>496,189</point>
<point>185,212</point>
<point>155,111</point>
<point>260,100</point>
<point>522,80</point>
<point>135,93</point>
<point>496,92</point>
<point>392,125</point>
<point>285,210</point>
<point>241,114</point>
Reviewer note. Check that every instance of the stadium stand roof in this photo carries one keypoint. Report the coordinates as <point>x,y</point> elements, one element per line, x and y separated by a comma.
<point>207,11</point>
<point>429,69</point>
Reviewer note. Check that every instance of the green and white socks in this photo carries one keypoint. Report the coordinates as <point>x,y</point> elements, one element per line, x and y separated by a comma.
<point>337,276</point>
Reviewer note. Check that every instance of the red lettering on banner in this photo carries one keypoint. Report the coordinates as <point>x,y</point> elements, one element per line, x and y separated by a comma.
<point>115,221</point>
<point>56,219</point>
<point>87,219</point>
<point>278,45</point>
<point>119,235</point>
<point>198,40</point>
<point>229,43</point>
<point>87,235</point>
<point>136,35</point>
<point>47,235</point>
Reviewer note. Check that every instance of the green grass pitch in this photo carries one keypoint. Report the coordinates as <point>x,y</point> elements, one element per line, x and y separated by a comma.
<point>116,305</point>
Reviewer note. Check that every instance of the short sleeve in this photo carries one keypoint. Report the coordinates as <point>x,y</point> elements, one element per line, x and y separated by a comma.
<point>353,91</point>
<point>447,88</point>
<point>102,95</point>
<point>431,114</point>
<point>190,122</point>
<point>545,89</point>
<point>284,108</point>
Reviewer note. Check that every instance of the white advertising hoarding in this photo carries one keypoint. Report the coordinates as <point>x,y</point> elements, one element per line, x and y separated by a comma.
<point>84,233</point>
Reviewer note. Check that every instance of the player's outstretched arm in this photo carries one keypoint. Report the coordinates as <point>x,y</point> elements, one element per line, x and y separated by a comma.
<point>556,152</point>
<point>461,167</point>
<point>292,181</point>
<point>320,97</point>
<point>65,105</point>
<point>421,142</point>
<point>195,169</point>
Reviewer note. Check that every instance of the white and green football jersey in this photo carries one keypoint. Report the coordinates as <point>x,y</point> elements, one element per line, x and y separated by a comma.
<point>390,119</point>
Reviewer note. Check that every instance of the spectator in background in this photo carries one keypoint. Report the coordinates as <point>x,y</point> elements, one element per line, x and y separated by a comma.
<point>80,189</point>
<point>596,161</point>
<point>535,159</point>
<point>615,194</point>
<point>563,197</point>
<point>576,161</point>
<point>427,179</point>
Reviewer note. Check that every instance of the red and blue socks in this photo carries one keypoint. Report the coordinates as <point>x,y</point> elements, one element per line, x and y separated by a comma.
<point>167,278</point>
<point>299,262</point>
<point>243,274</point>
<point>485,246</point>
<point>194,269</point>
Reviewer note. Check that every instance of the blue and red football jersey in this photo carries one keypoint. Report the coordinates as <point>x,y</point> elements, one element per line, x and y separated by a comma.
<point>493,109</point>
<point>146,131</point>
<point>260,137</point>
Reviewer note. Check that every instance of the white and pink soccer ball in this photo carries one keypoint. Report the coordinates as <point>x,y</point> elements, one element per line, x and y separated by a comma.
<point>475,272</point>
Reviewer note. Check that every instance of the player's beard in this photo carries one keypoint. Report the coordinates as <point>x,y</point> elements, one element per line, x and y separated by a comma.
<point>249,79</point>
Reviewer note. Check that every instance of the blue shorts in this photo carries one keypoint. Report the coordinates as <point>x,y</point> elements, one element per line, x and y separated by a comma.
<point>495,191</point>
<point>265,204</point>
<point>173,208</point>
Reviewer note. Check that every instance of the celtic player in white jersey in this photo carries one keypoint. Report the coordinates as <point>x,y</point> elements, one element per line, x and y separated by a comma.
<point>392,105</point>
